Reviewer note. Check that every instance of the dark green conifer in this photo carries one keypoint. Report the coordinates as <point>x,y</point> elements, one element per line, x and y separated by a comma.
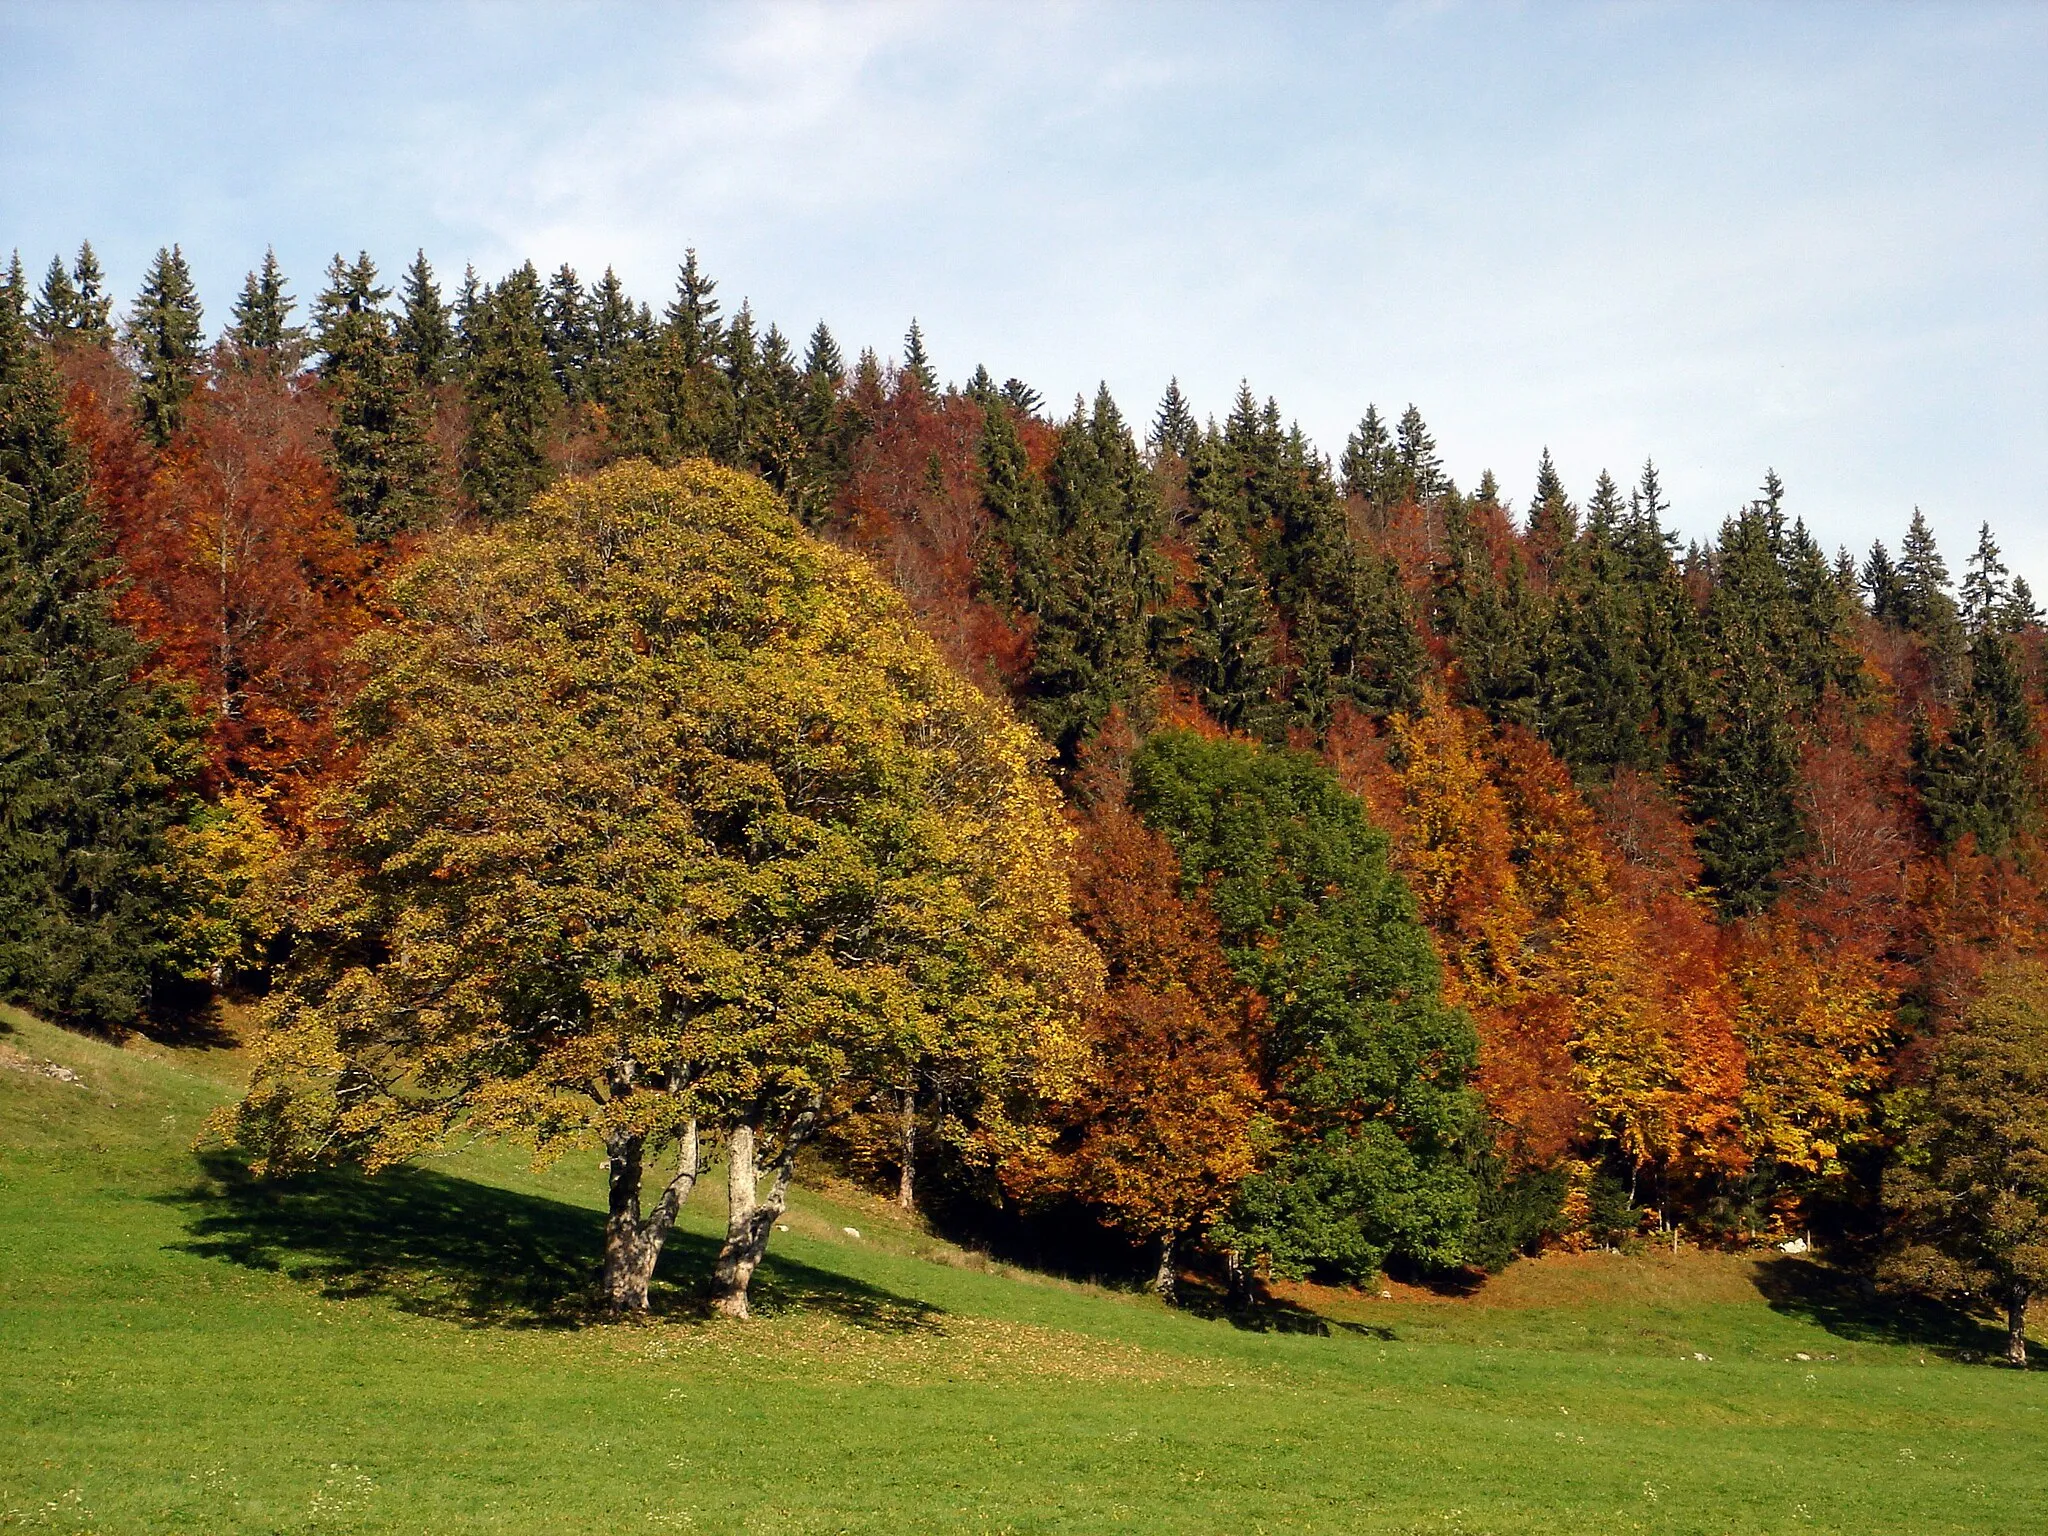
<point>260,330</point>
<point>1986,584</point>
<point>380,445</point>
<point>565,331</point>
<point>1422,471</point>
<point>1881,581</point>
<point>424,337</point>
<point>917,363</point>
<point>1027,400</point>
<point>165,343</point>
<point>95,305</point>
<point>55,313</point>
<point>90,757</point>
<point>1553,526</point>
<point>513,400</point>
<point>1173,426</point>
<point>1973,780</point>
<point>1370,468</point>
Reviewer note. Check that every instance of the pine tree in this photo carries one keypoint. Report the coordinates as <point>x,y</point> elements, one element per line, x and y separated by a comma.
<point>617,332</point>
<point>261,331</point>
<point>917,363</point>
<point>512,396</point>
<point>423,335</point>
<point>2020,610</point>
<point>1173,426</point>
<point>1974,779</point>
<point>380,444</point>
<point>1027,400</point>
<point>691,393</point>
<point>165,343</point>
<point>89,756</point>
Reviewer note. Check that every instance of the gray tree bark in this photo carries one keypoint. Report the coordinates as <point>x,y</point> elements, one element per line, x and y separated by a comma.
<point>906,1180</point>
<point>2016,1326</point>
<point>1167,1281</point>
<point>750,1218</point>
<point>632,1242</point>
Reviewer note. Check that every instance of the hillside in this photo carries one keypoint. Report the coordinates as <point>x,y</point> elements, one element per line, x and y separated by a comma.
<point>188,1351</point>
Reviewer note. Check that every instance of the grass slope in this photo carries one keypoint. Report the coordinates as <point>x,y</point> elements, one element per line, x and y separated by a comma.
<point>183,1351</point>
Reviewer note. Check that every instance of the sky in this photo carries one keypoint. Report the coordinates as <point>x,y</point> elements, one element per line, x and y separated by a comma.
<point>1809,238</point>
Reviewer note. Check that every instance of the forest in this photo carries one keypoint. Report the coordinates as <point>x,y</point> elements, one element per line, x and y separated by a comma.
<point>1425,879</point>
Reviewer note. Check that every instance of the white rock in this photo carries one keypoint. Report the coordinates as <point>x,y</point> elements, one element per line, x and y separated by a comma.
<point>851,1231</point>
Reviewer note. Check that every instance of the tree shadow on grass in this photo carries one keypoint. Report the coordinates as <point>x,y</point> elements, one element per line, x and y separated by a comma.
<point>1850,1307</point>
<point>440,1246</point>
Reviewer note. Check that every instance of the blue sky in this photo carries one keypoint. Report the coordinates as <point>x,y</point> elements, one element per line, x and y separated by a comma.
<point>1813,238</point>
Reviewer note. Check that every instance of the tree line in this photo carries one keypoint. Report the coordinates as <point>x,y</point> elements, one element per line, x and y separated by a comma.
<point>1460,880</point>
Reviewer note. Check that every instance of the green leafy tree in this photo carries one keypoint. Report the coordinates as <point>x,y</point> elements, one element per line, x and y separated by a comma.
<point>91,756</point>
<point>1368,1157</point>
<point>165,343</point>
<point>667,821</point>
<point>1967,1192</point>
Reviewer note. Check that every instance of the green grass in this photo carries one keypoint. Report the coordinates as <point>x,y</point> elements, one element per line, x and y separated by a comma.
<point>184,1351</point>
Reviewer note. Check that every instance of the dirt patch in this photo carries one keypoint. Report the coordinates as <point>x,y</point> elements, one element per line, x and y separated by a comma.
<point>1561,1280</point>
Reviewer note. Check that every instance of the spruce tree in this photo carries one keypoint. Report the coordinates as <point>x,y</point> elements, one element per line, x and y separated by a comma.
<point>1974,779</point>
<point>1986,584</point>
<point>513,400</point>
<point>1553,526</point>
<point>1027,400</point>
<point>917,363</point>
<point>380,445</point>
<point>1422,471</point>
<point>90,756</point>
<point>1369,468</point>
<point>565,330</point>
<point>1227,647</point>
<point>1173,425</point>
<point>1881,581</point>
<point>423,335</point>
<point>691,394</point>
<point>1096,594</point>
<point>95,305</point>
<point>260,330</point>
<point>55,314</point>
<point>165,343</point>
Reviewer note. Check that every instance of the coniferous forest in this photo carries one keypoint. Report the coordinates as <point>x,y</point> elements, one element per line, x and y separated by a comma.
<point>1440,879</point>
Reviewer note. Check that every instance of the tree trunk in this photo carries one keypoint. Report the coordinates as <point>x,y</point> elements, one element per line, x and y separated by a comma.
<point>906,1181</point>
<point>2016,1327</point>
<point>1238,1279</point>
<point>1166,1282</point>
<point>749,1219</point>
<point>632,1243</point>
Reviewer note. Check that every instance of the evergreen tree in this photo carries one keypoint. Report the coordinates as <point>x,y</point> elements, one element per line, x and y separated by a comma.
<point>1923,577</point>
<point>2020,610</point>
<point>165,343</point>
<point>95,305</point>
<point>1094,598</point>
<point>1986,584</point>
<point>917,364</point>
<point>512,397</point>
<point>1422,471</point>
<point>1743,763</point>
<point>565,331</point>
<point>1553,519</point>
<point>617,331</point>
<point>690,392</point>
<point>55,313</point>
<point>1369,1066</point>
<point>1881,581</point>
<point>1227,647</point>
<point>1974,780</point>
<point>89,755</point>
<point>380,445</point>
<point>1173,427</point>
<point>1370,469</point>
<point>261,331</point>
<point>1027,400</point>
<point>424,337</point>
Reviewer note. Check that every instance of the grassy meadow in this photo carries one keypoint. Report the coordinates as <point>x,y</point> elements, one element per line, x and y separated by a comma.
<point>182,1350</point>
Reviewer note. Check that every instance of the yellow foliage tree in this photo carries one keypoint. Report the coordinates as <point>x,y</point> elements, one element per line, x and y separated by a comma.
<point>665,818</point>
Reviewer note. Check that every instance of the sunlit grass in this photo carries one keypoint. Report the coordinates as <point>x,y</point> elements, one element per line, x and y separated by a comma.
<point>187,1351</point>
